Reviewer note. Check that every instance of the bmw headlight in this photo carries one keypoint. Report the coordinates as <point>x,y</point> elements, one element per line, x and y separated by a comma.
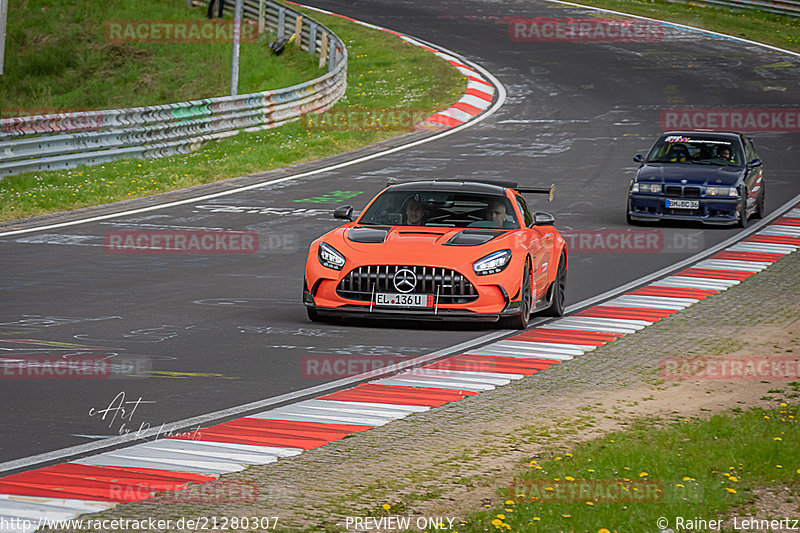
<point>493,263</point>
<point>330,257</point>
<point>646,187</point>
<point>721,191</point>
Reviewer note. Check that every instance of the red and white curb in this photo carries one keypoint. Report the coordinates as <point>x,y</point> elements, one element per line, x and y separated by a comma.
<point>476,99</point>
<point>137,472</point>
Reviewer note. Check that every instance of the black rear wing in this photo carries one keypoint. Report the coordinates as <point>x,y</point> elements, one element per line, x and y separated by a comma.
<point>549,191</point>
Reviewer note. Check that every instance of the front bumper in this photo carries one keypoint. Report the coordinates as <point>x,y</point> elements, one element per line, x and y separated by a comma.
<point>650,207</point>
<point>492,304</point>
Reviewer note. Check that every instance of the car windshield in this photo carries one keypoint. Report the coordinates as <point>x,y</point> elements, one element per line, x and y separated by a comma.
<point>440,208</point>
<point>696,150</point>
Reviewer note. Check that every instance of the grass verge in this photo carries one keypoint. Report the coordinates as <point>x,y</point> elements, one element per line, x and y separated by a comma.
<point>627,481</point>
<point>64,55</point>
<point>763,27</point>
<point>384,73</point>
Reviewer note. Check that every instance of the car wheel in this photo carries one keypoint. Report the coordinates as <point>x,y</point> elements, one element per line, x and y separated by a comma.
<point>760,209</point>
<point>558,289</point>
<point>742,222</point>
<point>312,314</point>
<point>520,321</point>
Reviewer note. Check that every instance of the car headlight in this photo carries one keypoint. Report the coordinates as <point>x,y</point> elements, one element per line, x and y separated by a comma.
<point>721,191</point>
<point>493,263</point>
<point>646,187</point>
<point>329,257</point>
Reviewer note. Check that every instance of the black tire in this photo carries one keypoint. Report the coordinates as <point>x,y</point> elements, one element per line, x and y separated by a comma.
<point>760,209</point>
<point>559,289</point>
<point>520,321</point>
<point>742,222</point>
<point>312,314</point>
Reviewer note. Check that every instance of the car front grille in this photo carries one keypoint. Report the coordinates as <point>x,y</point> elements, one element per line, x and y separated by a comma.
<point>677,191</point>
<point>451,287</point>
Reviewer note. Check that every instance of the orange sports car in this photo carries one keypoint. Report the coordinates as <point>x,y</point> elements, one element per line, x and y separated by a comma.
<point>440,250</point>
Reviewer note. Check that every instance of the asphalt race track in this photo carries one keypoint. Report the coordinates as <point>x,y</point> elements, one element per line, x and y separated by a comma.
<point>204,332</point>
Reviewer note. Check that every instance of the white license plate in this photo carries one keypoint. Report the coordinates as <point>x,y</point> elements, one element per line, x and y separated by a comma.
<point>683,204</point>
<point>403,300</point>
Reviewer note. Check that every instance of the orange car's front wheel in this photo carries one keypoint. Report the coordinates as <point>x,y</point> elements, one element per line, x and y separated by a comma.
<point>520,321</point>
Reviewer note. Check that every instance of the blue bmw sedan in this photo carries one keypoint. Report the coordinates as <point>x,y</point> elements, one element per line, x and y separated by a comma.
<point>710,177</point>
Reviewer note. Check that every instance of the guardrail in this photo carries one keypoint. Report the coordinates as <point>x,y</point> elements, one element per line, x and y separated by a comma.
<point>782,7</point>
<point>67,140</point>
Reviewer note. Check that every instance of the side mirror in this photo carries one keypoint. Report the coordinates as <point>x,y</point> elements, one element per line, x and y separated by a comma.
<point>543,219</point>
<point>638,158</point>
<point>344,212</point>
<point>754,163</point>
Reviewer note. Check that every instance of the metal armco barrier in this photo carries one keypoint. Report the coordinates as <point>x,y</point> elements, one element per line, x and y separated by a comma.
<point>67,140</point>
<point>782,7</point>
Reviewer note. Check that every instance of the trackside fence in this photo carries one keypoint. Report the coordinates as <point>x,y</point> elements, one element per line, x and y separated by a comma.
<point>67,140</point>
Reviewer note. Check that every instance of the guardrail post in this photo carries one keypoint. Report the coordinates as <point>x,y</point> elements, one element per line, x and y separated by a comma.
<point>312,38</point>
<point>323,51</point>
<point>262,16</point>
<point>298,31</point>
<point>3,15</point>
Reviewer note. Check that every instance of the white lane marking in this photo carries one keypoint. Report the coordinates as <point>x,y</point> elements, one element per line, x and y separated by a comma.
<point>733,264</point>
<point>379,406</point>
<point>434,383</point>
<point>764,247</point>
<point>465,373</point>
<point>324,419</point>
<point>35,511</point>
<point>539,347</point>
<point>453,377</point>
<point>593,328</point>
<point>519,354</point>
<point>333,417</point>
<point>193,467</point>
<point>203,449</point>
<point>629,326</point>
<point>87,506</point>
<point>776,230</point>
<point>689,282</point>
<point>624,301</point>
<point>385,411</point>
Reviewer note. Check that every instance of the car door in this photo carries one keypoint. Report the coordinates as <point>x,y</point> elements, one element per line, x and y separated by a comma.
<point>540,247</point>
<point>753,175</point>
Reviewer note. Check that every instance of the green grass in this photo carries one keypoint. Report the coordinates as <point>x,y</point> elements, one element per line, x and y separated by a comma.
<point>384,72</point>
<point>687,468</point>
<point>760,26</point>
<point>58,58</point>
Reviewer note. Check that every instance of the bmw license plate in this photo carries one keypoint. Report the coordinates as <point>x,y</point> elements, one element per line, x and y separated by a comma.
<point>683,204</point>
<point>403,300</point>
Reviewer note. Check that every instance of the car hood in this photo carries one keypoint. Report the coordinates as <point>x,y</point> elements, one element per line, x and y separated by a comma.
<point>694,174</point>
<point>387,244</point>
